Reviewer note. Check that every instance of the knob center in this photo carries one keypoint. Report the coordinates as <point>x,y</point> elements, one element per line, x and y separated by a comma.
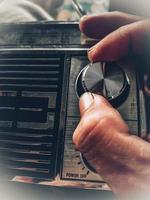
<point>107,79</point>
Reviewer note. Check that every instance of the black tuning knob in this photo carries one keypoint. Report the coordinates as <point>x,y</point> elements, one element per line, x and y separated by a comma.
<point>87,164</point>
<point>107,79</point>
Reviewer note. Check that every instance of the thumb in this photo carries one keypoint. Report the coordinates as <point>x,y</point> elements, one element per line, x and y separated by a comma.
<point>88,99</point>
<point>93,109</point>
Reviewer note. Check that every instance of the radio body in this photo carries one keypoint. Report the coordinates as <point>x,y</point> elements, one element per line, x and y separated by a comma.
<point>40,65</point>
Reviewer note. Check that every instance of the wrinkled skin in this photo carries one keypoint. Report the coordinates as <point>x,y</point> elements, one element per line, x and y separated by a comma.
<point>123,160</point>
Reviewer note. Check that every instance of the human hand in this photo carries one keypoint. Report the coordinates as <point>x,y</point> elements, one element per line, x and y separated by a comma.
<point>102,136</point>
<point>123,160</point>
<point>119,34</point>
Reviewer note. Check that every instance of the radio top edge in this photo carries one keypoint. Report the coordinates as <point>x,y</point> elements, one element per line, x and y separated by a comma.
<point>54,34</point>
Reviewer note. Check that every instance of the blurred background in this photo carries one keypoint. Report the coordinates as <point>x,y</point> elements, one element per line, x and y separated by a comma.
<point>45,10</point>
<point>63,9</point>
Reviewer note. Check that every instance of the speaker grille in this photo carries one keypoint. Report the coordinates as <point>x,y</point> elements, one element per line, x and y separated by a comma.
<point>30,99</point>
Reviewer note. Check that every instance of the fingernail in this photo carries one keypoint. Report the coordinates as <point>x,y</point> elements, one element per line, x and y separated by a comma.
<point>86,101</point>
<point>85,17</point>
<point>90,53</point>
<point>81,24</point>
<point>90,49</point>
<point>90,56</point>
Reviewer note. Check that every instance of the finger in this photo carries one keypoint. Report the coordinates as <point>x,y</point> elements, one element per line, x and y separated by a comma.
<point>91,115</point>
<point>88,99</point>
<point>85,102</point>
<point>101,25</point>
<point>130,38</point>
<point>88,104</point>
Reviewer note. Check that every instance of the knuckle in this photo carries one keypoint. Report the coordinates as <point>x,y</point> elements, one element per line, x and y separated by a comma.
<point>123,31</point>
<point>77,143</point>
<point>106,122</point>
<point>96,123</point>
<point>86,118</point>
<point>78,138</point>
<point>88,123</point>
<point>75,139</point>
<point>117,13</point>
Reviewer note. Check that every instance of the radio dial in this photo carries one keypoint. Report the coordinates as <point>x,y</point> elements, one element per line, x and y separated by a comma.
<point>107,79</point>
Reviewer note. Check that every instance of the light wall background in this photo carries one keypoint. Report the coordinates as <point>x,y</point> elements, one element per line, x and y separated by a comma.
<point>138,7</point>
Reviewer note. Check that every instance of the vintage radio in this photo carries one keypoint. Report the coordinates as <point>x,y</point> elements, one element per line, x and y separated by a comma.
<point>43,70</point>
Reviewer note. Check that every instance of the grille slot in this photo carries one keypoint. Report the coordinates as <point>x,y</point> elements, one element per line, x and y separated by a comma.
<point>30,98</point>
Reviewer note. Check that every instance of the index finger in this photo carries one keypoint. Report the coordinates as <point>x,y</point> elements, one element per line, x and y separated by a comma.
<point>133,38</point>
<point>101,25</point>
